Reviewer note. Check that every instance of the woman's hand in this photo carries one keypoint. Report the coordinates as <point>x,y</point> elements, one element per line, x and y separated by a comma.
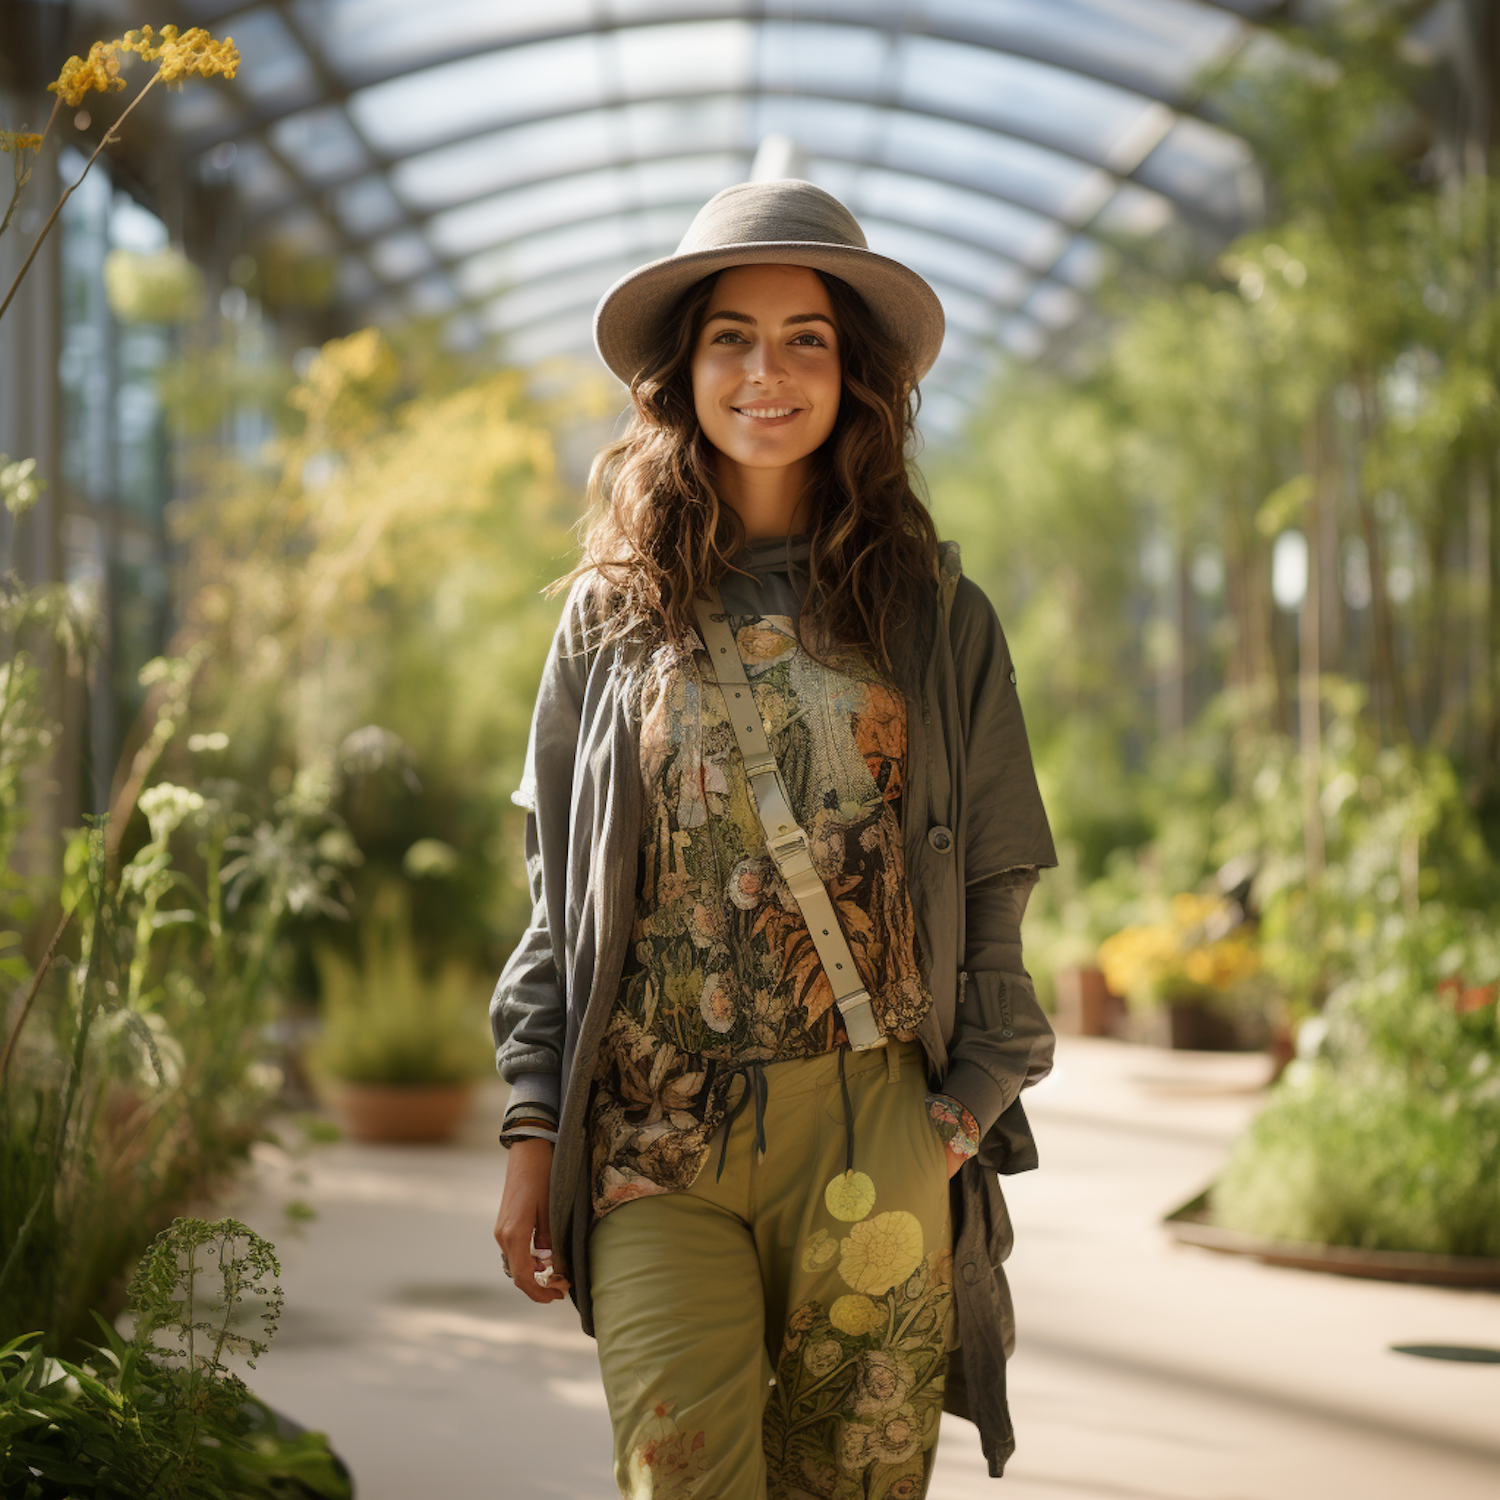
<point>523,1223</point>
<point>954,1160</point>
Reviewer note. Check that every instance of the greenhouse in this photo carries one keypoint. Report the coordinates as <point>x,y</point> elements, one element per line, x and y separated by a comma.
<point>301,394</point>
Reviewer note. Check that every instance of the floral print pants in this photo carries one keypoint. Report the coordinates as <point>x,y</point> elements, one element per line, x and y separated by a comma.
<point>781,1330</point>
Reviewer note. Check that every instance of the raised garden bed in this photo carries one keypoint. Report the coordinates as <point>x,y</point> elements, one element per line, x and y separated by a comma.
<point>1192,1224</point>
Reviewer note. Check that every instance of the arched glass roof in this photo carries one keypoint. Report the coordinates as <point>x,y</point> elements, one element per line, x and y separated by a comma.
<point>500,163</point>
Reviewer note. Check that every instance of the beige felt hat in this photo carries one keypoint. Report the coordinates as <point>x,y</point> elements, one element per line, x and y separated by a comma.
<point>785,222</point>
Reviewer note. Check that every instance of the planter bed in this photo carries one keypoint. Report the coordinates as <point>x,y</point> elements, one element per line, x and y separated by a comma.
<point>1192,1224</point>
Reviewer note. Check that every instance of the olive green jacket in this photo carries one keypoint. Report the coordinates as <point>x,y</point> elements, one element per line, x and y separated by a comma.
<point>974,833</point>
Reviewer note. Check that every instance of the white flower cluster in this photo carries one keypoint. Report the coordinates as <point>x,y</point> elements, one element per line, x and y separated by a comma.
<point>166,806</point>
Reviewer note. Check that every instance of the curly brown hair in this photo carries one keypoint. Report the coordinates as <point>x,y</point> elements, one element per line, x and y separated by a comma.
<point>658,533</point>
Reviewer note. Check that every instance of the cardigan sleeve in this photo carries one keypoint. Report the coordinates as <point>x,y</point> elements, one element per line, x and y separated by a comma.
<point>1002,1040</point>
<point>528,1011</point>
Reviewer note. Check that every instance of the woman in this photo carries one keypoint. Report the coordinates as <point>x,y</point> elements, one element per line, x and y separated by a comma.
<point>767,1030</point>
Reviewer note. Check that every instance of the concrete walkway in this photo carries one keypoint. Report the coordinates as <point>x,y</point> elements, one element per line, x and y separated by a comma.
<point>1144,1370</point>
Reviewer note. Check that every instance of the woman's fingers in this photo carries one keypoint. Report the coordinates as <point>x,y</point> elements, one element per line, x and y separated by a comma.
<point>522,1230</point>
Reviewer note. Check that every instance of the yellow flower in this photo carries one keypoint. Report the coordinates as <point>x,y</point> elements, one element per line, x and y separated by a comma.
<point>819,1251</point>
<point>99,70</point>
<point>850,1196</point>
<point>192,52</point>
<point>878,1253</point>
<point>17,141</point>
<point>855,1314</point>
<point>178,55</point>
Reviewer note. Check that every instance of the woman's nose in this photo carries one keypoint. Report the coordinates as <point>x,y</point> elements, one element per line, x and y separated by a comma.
<point>764,361</point>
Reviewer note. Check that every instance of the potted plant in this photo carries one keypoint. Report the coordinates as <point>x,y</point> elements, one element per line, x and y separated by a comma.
<point>1187,979</point>
<point>399,1051</point>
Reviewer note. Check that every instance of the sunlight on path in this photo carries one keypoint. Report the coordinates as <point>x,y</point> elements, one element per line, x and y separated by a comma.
<point>1144,1371</point>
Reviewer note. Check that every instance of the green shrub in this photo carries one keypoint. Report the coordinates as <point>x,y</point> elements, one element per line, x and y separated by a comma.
<point>140,1420</point>
<point>386,1022</point>
<point>1388,1137</point>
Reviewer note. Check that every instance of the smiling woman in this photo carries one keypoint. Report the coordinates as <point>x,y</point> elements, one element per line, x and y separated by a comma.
<point>766,390</point>
<point>779,793</point>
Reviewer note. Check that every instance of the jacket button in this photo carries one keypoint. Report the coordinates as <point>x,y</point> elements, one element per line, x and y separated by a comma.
<point>940,839</point>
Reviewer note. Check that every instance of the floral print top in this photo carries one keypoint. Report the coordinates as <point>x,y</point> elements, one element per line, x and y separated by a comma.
<point>724,969</point>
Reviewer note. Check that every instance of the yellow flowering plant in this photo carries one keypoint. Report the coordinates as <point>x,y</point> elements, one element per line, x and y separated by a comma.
<point>178,55</point>
<point>1202,951</point>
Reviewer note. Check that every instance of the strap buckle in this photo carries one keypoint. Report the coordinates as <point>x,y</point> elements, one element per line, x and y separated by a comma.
<point>859,1022</point>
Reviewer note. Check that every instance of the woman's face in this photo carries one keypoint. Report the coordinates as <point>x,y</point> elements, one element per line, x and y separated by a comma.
<point>766,371</point>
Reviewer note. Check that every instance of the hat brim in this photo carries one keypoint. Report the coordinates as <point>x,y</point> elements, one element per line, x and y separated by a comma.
<point>628,320</point>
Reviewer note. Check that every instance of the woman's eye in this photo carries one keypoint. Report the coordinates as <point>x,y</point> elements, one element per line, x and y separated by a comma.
<point>729,336</point>
<point>808,341</point>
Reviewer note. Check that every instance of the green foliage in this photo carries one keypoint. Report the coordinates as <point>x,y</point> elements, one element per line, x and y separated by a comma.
<point>375,586</point>
<point>1388,1136</point>
<point>137,1068</point>
<point>386,1022</point>
<point>142,1420</point>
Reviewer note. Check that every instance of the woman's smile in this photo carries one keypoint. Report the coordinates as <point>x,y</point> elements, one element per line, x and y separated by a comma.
<point>767,382</point>
<point>768,415</point>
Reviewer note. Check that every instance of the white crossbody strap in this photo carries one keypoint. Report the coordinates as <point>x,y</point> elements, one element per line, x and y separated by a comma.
<point>786,841</point>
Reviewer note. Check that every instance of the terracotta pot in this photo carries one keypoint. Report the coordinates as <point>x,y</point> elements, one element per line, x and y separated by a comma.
<point>401,1112</point>
<point>1085,1006</point>
<point>1193,1027</point>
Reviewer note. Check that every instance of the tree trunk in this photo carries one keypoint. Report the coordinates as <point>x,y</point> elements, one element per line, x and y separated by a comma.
<point>1390,694</point>
<point>1309,660</point>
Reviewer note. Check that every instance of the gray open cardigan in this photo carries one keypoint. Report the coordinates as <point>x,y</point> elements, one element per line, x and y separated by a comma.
<point>974,834</point>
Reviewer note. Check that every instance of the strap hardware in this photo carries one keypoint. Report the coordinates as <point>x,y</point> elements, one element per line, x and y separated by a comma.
<point>786,840</point>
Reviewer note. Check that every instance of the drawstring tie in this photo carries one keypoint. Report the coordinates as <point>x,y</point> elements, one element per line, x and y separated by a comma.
<point>754,1074</point>
<point>848,1115</point>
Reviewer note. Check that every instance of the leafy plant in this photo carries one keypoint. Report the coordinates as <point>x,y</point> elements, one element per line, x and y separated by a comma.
<point>136,1068</point>
<point>1386,1135</point>
<point>386,1022</point>
<point>141,1419</point>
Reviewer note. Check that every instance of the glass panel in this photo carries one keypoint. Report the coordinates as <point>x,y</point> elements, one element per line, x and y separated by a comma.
<point>367,206</point>
<point>551,296</point>
<point>645,236</point>
<point>1082,263</point>
<point>1027,99</point>
<point>651,60</point>
<point>259,177</point>
<point>1203,166</point>
<point>1011,231</point>
<point>431,295</point>
<point>572,335</point>
<point>1155,45</point>
<point>479,93</point>
<point>1054,306</point>
<point>520,154</point>
<point>275,69</point>
<point>319,143</point>
<point>1134,211</point>
<point>1028,175</point>
<point>401,256</point>
<point>200,113</point>
<point>373,37</point>
<point>838,60</point>
<point>584,195</point>
<point>1023,338</point>
<point>822,127</point>
<point>956,264</point>
<point>529,155</point>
